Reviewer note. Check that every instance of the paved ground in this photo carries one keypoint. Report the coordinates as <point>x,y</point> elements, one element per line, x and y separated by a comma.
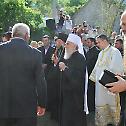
<point>90,119</point>
<point>45,120</point>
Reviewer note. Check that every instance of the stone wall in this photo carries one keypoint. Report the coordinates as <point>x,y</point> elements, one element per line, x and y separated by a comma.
<point>97,13</point>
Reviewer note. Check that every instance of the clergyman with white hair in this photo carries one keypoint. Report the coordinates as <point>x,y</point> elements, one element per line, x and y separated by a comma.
<point>23,85</point>
<point>73,70</point>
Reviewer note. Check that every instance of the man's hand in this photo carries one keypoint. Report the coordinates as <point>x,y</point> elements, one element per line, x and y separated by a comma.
<point>118,86</point>
<point>40,111</point>
<point>55,59</point>
<point>62,66</point>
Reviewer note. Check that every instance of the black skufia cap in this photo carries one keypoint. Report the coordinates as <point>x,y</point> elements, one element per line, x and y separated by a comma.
<point>62,36</point>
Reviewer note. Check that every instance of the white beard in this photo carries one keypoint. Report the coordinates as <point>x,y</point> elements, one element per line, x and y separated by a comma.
<point>68,53</point>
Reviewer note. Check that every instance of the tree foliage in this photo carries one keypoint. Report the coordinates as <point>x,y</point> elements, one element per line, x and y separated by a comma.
<point>32,12</point>
<point>44,6</point>
<point>117,6</point>
<point>72,6</point>
<point>14,11</point>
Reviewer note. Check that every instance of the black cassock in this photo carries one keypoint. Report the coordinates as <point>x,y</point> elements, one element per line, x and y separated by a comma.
<point>72,91</point>
<point>123,109</point>
<point>54,87</point>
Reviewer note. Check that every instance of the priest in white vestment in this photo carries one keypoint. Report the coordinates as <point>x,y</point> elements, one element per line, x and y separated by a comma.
<point>106,104</point>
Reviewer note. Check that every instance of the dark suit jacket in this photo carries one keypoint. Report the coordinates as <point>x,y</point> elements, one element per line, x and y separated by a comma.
<point>54,86</point>
<point>47,58</point>
<point>22,81</point>
<point>91,57</point>
<point>122,121</point>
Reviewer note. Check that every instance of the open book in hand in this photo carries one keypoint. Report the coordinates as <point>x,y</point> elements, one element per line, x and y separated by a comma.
<point>107,77</point>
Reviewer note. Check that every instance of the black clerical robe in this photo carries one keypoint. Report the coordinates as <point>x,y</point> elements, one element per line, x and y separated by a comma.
<point>72,91</point>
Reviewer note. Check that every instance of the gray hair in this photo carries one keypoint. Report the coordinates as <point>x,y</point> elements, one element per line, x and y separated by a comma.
<point>20,29</point>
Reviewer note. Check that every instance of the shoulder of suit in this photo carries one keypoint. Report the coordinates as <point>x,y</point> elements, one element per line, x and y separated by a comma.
<point>42,47</point>
<point>52,47</point>
<point>35,50</point>
<point>94,49</point>
<point>80,56</point>
<point>4,44</point>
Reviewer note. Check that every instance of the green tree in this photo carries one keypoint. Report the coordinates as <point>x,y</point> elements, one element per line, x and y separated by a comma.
<point>14,11</point>
<point>76,2</point>
<point>72,6</point>
<point>44,6</point>
<point>118,6</point>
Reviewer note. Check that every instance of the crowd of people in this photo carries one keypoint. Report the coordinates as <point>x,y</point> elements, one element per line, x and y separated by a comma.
<point>59,78</point>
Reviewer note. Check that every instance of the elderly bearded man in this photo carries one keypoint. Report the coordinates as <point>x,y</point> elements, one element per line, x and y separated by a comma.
<point>72,83</point>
